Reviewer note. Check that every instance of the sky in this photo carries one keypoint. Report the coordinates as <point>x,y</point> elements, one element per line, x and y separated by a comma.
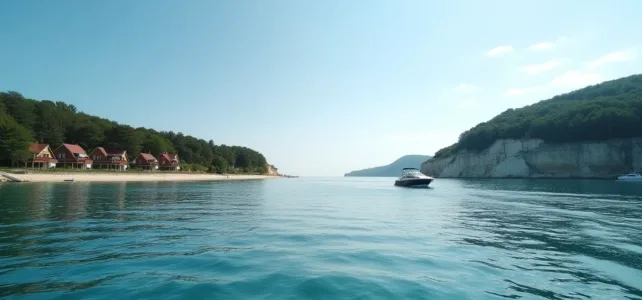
<point>319,87</point>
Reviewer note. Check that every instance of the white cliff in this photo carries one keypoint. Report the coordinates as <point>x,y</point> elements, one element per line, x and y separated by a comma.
<point>532,158</point>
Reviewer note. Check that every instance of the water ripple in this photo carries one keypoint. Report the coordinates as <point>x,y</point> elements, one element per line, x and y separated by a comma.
<point>322,238</point>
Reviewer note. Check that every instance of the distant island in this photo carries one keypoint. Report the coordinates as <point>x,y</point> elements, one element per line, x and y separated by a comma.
<point>393,169</point>
<point>594,132</point>
<point>46,134</point>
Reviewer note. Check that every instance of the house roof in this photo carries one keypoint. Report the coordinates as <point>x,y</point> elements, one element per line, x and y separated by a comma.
<point>114,152</point>
<point>75,149</point>
<point>37,148</point>
<point>165,156</point>
<point>170,156</point>
<point>147,156</point>
<point>101,150</point>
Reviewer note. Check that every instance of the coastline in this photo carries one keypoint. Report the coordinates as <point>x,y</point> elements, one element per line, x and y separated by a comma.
<point>133,177</point>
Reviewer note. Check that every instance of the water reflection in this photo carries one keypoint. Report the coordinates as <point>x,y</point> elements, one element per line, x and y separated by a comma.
<point>557,186</point>
<point>38,202</point>
<point>63,237</point>
<point>302,239</point>
<point>532,231</point>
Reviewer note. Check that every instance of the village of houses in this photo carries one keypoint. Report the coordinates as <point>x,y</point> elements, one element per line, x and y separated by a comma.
<point>74,156</point>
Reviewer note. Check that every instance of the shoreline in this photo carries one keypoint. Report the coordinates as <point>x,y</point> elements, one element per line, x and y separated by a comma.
<point>133,177</point>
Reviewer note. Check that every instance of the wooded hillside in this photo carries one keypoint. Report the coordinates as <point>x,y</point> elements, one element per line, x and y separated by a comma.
<point>609,110</point>
<point>24,121</point>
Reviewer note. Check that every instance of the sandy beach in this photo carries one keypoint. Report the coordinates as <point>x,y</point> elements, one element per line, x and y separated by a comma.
<point>120,177</point>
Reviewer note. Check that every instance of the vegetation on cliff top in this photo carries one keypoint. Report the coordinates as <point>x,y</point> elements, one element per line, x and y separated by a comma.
<point>24,121</point>
<point>612,109</point>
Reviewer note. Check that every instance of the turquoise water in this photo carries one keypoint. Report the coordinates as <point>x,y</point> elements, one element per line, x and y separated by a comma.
<point>322,238</point>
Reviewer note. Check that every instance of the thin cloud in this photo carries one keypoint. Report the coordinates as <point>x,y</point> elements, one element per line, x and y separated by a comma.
<point>466,104</point>
<point>568,81</point>
<point>545,46</point>
<point>520,91</point>
<point>613,57</point>
<point>465,87</point>
<point>497,51</point>
<point>575,79</point>
<point>539,68</point>
<point>541,46</point>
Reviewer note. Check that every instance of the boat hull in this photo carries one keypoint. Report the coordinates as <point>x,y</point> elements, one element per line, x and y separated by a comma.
<point>421,182</point>
<point>624,178</point>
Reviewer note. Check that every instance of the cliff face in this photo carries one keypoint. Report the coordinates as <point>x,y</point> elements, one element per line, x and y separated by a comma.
<point>531,158</point>
<point>272,170</point>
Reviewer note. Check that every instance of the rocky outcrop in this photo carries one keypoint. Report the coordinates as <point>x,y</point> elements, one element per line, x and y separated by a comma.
<point>532,158</point>
<point>272,170</point>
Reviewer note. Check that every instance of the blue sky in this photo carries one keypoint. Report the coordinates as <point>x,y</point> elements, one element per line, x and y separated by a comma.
<point>319,87</point>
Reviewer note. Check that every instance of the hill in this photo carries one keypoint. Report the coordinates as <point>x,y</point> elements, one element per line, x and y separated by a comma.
<point>609,110</point>
<point>24,121</point>
<point>393,169</point>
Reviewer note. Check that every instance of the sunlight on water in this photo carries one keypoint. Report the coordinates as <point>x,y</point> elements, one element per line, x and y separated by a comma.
<point>330,238</point>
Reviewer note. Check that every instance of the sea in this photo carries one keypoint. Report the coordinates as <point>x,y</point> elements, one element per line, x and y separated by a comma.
<point>322,238</point>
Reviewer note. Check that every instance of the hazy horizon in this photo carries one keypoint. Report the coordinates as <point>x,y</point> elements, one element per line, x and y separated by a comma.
<point>320,88</point>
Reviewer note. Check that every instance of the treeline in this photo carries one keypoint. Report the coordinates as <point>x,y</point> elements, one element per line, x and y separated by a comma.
<point>24,121</point>
<point>608,110</point>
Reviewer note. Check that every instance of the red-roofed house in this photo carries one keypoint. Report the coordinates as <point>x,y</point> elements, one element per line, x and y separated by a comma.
<point>73,155</point>
<point>42,156</point>
<point>109,158</point>
<point>145,161</point>
<point>169,161</point>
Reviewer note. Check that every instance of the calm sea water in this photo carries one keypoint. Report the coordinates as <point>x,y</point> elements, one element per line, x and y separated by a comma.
<point>322,238</point>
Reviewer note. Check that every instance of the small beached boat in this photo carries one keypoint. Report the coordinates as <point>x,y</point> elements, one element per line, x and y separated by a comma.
<point>630,177</point>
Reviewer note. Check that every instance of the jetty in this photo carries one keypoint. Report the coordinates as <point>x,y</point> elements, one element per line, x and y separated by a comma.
<point>288,176</point>
<point>10,178</point>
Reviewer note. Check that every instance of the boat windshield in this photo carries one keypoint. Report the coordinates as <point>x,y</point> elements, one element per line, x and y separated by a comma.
<point>409,171</point>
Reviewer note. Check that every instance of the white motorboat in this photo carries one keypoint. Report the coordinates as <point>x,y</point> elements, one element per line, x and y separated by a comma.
<point>630,177</point>
<point>412,177</point>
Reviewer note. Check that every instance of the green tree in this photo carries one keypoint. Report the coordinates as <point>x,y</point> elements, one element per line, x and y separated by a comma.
<point>14,140</point>
<point>85,133</point>
<point>156,144</point>
<point>219,164</point>
<point>612,109</point>
<point>207,152</point>
<point>21,109</point>
<point>227,153</point>
<point>58,122</point>
<point>125,137</point>
<point>49,128</point>
<point>3,109</point>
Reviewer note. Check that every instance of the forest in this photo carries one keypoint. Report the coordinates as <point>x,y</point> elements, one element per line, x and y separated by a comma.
<point>609,110</point>
<point>24,121</point>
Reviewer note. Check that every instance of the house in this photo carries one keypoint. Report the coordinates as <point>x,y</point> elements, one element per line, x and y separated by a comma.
<point>109,158</point>
<point>41,156</point>
<point>145,161</point>
<point>73,156</point>
<point>169,161</point>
